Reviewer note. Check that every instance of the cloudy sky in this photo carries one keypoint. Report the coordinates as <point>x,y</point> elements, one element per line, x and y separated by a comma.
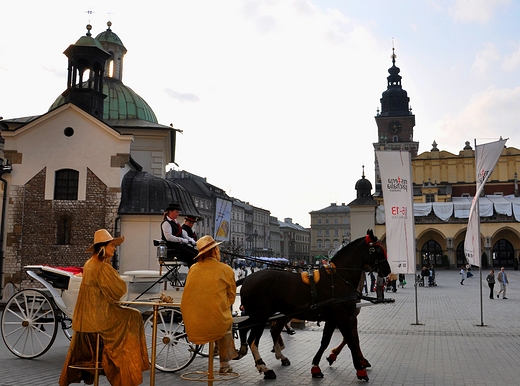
<point>277,98</point>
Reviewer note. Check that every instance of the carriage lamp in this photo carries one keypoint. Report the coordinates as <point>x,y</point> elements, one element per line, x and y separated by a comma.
<point>161,251</point>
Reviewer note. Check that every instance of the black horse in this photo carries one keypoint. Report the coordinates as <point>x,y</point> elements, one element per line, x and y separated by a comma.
<point>330,294</point>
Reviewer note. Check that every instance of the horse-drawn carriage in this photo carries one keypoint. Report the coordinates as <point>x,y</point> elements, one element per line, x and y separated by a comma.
<point>32,317</point>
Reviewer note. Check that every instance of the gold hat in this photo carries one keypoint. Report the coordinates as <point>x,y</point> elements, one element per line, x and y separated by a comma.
<point>102,236</point>
<point>204,244</point>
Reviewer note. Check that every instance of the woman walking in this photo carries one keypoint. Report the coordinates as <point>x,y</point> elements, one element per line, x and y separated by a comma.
<point>491,282</point>
<point>462,274</point>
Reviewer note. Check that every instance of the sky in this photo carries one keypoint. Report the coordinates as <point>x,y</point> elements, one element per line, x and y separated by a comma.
<point>277,99</point>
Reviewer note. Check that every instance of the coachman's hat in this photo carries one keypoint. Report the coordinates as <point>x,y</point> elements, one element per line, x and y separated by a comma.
<point>191,218</point>
<point>103,236</point>
<point>205,244</point>
<point>173,207</point>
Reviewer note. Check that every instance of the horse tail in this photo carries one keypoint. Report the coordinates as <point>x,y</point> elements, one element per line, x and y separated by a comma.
<point>239,282</point>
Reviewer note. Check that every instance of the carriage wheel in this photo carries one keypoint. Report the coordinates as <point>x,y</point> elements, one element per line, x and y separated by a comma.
<point>173,351</point>
<point>29,323</point>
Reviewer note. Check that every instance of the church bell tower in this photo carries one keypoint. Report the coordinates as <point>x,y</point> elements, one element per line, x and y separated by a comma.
<point>85,74</point>
<point>395,121</point>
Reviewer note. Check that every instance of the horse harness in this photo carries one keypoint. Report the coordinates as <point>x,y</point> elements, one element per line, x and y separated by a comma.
<point>312,277</point>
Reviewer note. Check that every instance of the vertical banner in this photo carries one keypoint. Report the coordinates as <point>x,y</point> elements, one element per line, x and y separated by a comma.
<point>486,157</point>
<point>396,180</point>
<point>222,220</point>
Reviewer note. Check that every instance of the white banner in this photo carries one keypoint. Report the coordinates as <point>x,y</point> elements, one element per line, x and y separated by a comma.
<point>222,220</point>
<point>396,180</point>
<point>486,157</point>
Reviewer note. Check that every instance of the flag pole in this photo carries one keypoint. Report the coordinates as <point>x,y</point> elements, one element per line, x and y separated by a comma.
<point>479,254</point>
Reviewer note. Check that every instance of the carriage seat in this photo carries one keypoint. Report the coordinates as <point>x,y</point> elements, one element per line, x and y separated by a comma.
<point>58,278</point>
<point>171,254</point>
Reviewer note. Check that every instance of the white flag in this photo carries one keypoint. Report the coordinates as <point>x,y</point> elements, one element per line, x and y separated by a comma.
<point>486,157</point>
<point>396,180</point>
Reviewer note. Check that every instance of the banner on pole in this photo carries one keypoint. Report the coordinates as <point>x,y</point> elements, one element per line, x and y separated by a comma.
<point>222,219</point>
<point>396,180</point>
<point>486,157</point>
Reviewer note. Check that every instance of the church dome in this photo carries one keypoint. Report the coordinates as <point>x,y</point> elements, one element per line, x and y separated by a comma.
<point>121,103</point>
<point>363,185</point>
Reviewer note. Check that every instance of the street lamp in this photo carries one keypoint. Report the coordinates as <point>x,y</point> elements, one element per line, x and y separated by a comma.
<point>255,235</point>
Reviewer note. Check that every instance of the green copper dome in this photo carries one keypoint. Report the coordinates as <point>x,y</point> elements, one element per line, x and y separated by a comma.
<point>121,103</point>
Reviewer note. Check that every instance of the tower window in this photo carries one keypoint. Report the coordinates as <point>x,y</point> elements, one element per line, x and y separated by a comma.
<point>66,184</point>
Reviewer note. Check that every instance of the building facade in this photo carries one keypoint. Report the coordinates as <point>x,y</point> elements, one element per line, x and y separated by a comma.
<point>443,186</point>
<point>330,229</point>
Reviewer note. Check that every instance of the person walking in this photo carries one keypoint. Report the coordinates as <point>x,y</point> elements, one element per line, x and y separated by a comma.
<point>502,279</point>
<point>462,274</point>
<point>491,282</point>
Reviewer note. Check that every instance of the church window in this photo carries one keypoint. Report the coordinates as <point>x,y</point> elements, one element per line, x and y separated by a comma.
<point>66,184</point>
<point>63,230</point>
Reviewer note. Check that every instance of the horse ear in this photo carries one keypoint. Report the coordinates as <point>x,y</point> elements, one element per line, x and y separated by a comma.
<point>370,234</point>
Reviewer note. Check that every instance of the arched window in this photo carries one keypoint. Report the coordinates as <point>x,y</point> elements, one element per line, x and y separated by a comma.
<point>503,254</point>
<point>64,224</point>
<point>66,184</point>
<point>431,254</point>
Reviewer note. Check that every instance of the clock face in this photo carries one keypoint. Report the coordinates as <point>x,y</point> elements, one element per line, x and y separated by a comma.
<point>394,127</point>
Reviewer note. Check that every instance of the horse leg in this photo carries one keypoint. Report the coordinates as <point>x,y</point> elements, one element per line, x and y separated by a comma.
<point>254,341</point>
<point>328,330</point>
<point>337,350</point>
<point>352,339</point>
<point>278,345</point>
<point>242,333</point>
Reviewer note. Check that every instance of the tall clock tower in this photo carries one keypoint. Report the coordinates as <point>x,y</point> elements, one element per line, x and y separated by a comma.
<point>395,121</point>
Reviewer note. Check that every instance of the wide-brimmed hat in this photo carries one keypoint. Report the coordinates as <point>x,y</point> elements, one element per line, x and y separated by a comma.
<point>103,236</point>
<point>191,218</point>
<point>205,244</point>
<point>173,207</point>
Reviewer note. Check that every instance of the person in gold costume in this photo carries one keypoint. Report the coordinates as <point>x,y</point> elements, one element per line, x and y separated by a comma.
<point>207,299</point>
<point>124,354</point>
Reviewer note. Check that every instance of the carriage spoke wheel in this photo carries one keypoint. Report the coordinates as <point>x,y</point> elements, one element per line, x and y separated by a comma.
<point>29,323</point>
<point>174,351</point>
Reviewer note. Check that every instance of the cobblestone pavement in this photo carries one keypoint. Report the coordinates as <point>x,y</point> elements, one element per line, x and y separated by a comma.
<point>441,341</point>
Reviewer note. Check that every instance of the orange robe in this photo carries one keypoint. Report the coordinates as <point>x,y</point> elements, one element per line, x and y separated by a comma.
<point>208,295</point>
<point>125,356</point>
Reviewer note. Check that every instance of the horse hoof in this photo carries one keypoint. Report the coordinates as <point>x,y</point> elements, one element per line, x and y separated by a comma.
<point>269,374</point>
<point>286,362</point>
<point>362,375</point>
<point>331,359</point>
<point>365,363</point>
<point>316,372</point>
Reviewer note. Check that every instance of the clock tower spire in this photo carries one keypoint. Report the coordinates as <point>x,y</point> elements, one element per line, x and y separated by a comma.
<point>395,121</point>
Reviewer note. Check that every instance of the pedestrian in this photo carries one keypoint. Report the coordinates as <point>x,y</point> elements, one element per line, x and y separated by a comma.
<point>402,280</point>
<point>208,296</point>
<point>462,274</point>
<point>380,287</point>
<point>491,282</point>
<point>502,279</point>
<point>124,356</point>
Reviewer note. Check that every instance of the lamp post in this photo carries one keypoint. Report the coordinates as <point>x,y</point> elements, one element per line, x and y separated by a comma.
<point>255,235</point>
<point>4,168</point>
